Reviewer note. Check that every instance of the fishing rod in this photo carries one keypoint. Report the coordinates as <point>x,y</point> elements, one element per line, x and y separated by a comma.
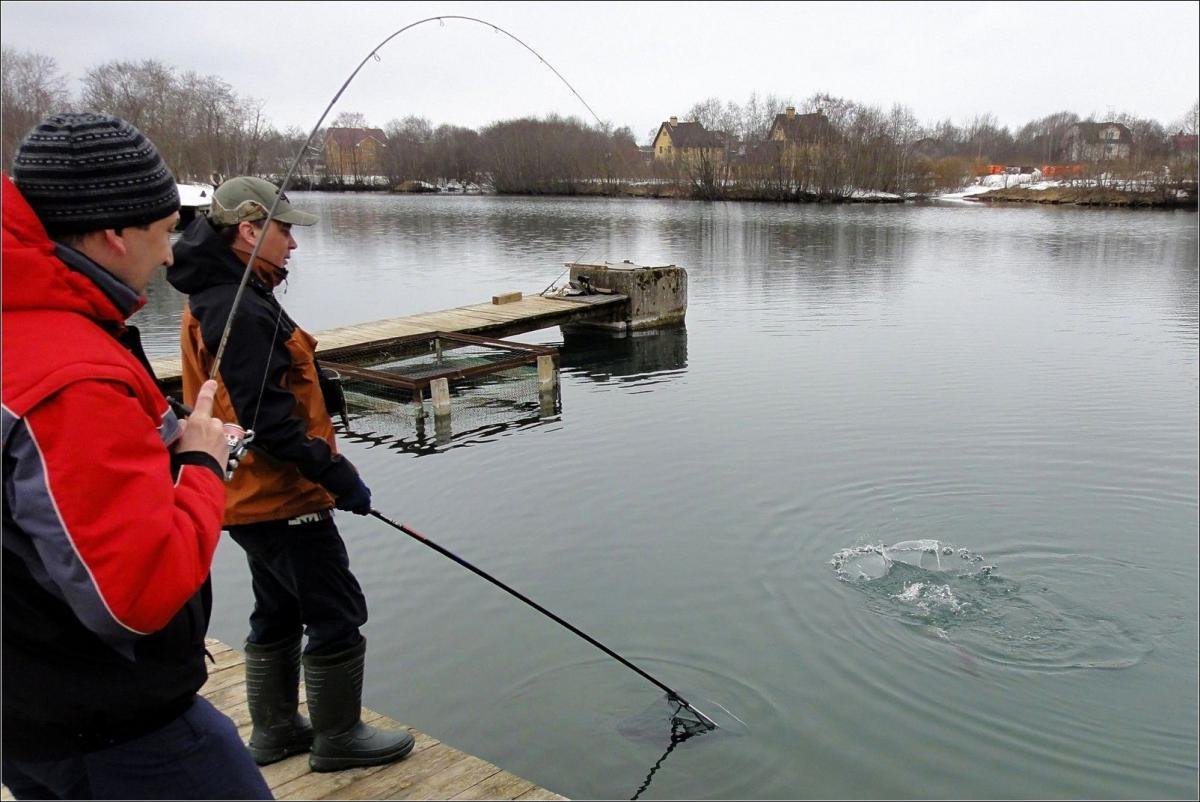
<point>672,694</point>
<point>304,148</point>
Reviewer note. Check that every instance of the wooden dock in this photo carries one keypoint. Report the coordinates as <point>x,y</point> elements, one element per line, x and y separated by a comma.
<point>433,770</point>
<point>486,320</point>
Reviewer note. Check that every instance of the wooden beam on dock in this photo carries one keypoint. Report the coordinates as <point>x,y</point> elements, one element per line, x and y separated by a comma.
<point>530,313</point>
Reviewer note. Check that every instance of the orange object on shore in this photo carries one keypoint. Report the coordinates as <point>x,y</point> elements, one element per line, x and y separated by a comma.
<point>1061,170</point>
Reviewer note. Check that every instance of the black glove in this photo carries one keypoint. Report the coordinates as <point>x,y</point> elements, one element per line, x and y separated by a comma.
<point>356,500</point>
<point>349,492</point>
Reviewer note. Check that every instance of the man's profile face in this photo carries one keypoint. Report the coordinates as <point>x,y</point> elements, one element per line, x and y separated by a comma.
<point>147,250</point>
<point>278,243</point>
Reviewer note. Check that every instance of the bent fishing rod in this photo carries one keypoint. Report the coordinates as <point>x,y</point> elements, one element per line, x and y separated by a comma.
<point>303,148</point>
<point>235,442</point>
<point>672,694</point>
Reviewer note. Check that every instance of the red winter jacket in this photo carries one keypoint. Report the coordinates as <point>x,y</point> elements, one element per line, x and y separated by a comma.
<point>108,537</point>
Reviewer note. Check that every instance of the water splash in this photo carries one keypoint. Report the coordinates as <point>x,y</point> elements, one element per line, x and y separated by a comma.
<point>952,594</point>
<point>865,563</point>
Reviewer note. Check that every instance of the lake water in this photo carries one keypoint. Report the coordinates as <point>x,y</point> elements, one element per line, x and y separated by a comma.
<point>1015,387</point>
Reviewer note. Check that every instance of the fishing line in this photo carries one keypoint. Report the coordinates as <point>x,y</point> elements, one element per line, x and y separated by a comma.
<point>679,733</point>
<point>374,54</point>
<point>576,261</point>
<point>672,695</point>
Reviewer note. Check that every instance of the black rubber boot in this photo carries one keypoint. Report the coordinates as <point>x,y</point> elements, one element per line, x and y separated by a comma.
<point>272,690</point>
<point>334,684</point>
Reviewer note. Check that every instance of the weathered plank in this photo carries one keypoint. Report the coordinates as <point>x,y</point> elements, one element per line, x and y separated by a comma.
<point>501,785</point>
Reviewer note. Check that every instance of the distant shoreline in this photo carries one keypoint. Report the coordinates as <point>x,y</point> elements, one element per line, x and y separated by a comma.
<point>1058,196</point>
<point>1086,196</point>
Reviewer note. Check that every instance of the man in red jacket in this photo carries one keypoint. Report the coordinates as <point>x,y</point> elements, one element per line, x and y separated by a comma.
<point>112,505</point>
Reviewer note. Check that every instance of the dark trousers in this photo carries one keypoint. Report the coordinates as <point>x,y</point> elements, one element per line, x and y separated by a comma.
<point>197,756</point>
<point>302,583</point>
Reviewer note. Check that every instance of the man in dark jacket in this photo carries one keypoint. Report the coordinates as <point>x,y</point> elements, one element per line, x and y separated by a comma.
<point>112,506</point>
<point>280,503</point>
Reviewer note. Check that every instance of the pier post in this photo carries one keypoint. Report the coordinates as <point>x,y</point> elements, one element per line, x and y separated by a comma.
<point>547,375</point>
<point>547,379</point>
<point>439,393</point>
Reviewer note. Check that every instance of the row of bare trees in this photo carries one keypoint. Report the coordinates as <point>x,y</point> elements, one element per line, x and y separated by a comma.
<point>856,148</point>
<point>524,156</point>
<point>200,124</point>
<point>866,149</point>
<point>206,130</point>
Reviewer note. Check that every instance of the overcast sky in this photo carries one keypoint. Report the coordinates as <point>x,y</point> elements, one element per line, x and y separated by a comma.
<point>638,63</point>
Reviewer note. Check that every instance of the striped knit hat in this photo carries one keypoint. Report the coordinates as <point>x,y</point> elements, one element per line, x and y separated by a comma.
<point>87,172</point>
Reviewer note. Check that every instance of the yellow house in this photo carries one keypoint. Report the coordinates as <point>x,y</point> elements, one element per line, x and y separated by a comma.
<point>800,130</point>
<point>687,142</point>
<point>356,152</point>
<point>797,142</point>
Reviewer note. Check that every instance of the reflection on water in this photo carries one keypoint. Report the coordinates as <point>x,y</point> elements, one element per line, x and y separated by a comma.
<point>481,411</point>
<point>487,409</point>
<point>641,358</point>
<point>1019,383</point>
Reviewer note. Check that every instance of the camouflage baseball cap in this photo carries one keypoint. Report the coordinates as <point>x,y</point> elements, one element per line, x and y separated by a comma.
<point>246,199</point>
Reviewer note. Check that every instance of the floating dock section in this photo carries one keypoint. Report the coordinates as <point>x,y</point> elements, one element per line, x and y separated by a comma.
<point>614,296</point>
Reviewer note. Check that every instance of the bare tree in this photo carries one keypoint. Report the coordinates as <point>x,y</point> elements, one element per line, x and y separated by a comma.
<point>199,124</point>
<point>407,155</point>
<point>1189,123</point>
<point>31,87</point>
<point>349,119</point>
<point>456,155</point>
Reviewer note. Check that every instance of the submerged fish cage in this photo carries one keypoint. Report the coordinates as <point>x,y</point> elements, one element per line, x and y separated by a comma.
<point>467,384</point>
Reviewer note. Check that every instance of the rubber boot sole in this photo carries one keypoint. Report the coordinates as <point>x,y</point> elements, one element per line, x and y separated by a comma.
<point>265,757</point>
<point>326,763</point>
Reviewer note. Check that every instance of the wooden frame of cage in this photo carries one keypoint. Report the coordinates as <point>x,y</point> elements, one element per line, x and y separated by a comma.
<point>544,356</point>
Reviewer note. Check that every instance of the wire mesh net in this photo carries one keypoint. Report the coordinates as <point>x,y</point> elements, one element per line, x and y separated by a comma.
<point>392,396</point>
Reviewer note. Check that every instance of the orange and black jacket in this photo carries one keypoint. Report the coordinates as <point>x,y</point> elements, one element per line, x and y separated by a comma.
<point>295,468</point>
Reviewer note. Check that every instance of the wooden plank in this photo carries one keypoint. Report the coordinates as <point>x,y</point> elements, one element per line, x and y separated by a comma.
<point>216,647</point>
<point>506,298</point>
<point>463,774</point>
<point>539,794</point>
<point>418,767</point>
<point>501,785</point>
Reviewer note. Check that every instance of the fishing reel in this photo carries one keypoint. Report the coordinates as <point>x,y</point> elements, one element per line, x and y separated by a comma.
<point>239,440</point>
<point>333,393</point>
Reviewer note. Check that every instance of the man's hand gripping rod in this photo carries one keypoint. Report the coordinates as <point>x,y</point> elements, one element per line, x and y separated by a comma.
<point>239,440</point>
